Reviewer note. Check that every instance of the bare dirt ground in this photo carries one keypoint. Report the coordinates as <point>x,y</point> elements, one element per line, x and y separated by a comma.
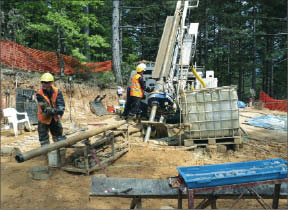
<point>71,191</point>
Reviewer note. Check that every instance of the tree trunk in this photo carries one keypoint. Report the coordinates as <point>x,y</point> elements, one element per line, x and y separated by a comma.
<point>58,53</point>
<point>254,52</point>
<point>228,63</point>
<point>120,31</point>
<point>200,48</point>
<point>264,76</point>
<point>115,44</point>
<point>270,68</point>
<point>206,35</point>
<point>240,73</point>
<point>87,32</point>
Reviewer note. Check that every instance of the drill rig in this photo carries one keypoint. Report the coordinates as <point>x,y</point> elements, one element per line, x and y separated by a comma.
<point>173,63</point>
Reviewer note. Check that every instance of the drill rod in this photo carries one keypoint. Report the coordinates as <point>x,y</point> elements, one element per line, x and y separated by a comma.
<point>151,119</point>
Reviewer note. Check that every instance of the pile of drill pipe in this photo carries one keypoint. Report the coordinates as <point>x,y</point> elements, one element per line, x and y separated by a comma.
<point>65,143</point>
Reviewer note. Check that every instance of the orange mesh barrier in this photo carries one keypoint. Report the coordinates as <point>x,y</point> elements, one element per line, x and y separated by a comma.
<point>20,57</point>
<point>273,104</point>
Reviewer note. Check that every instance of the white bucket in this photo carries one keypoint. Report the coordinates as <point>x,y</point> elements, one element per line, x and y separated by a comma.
<point>56,158</point>
<point>122,104</point>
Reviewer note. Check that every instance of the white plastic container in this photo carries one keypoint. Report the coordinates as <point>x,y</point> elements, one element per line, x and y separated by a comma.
<point>209,82</point>
<point>211,113</point>
<point>122,104</point>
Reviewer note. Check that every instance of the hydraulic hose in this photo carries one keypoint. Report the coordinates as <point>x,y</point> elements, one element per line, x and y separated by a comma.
<point>198,77</point>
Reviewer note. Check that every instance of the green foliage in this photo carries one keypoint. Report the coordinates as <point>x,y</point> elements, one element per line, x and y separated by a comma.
<point>105,79</point>
<point>76,53</point>
<point>233,49</point>
<point>65,19</point>
<point>145,22</point>
<point>126,69</point>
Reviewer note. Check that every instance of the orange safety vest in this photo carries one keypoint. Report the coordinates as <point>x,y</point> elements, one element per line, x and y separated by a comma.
<point>135,87</point>
<point>42,118</point>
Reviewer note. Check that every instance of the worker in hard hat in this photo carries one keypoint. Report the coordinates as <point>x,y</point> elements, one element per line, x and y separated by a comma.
<point>137,87</point>
<point>51,106</point>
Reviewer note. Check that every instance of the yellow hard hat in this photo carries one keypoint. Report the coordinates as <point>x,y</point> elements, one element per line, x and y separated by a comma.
<point>47,77</point>
<point>141,67</point>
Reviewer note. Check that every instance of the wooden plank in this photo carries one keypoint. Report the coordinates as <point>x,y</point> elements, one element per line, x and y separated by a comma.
<point>213,141</point>
<point>153,123</point>
<point>140,187</point>
<point>188,143</point>
<point>159,188</point>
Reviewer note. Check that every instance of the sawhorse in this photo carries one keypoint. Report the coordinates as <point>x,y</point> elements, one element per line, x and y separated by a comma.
<point>211,200</point>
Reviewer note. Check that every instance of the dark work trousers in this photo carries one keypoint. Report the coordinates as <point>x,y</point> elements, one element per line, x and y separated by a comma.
<point>127,104</point>
<point>135,105</point>
<point>55,128</point>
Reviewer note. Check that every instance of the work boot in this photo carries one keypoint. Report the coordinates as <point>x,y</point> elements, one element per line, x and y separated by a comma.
<point>130,118</point>
<point>138,118</point>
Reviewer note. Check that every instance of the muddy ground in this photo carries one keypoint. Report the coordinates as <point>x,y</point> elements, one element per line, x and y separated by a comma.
<point>71,191</point>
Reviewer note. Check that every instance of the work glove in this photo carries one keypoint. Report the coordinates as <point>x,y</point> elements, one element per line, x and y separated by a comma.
<point>43,105</point>
<point>60,110</point>
<point>49,111</point>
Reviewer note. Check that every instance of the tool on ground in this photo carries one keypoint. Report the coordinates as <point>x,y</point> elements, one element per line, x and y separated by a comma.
<point>97,107</point>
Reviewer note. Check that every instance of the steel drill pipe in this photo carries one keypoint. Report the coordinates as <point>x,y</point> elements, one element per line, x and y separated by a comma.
<point>65,143</point>
<point>151,119</point>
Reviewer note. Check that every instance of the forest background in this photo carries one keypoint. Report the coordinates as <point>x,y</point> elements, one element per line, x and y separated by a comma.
<point>243,41</point>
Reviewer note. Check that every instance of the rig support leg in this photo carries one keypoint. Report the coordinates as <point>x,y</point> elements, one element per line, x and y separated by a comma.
<point>151,119</point>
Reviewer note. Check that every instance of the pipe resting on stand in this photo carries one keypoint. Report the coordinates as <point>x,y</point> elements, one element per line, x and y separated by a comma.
<point>151,119</point>
<point>68,142</point>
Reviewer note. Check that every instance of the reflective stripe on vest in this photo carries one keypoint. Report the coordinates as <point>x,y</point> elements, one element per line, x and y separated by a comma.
<point>42,118</point>
<point>135,87</point>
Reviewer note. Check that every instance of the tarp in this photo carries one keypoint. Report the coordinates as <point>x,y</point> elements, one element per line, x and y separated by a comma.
<point>272,122</point>
<point>241,104</point>
<point>19,57</point>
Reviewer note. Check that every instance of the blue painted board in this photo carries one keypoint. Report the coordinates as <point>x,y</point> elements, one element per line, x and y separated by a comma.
<point>233,173</point>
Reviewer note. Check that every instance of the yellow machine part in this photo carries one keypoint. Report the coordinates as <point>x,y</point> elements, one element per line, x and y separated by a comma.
<point>197,76</point>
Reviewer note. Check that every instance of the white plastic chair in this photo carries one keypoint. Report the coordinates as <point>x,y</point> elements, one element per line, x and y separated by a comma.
<point>11,114</point>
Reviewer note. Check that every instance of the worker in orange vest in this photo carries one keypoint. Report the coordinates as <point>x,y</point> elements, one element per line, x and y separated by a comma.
<point>137,87</point>
<point>51,106</point>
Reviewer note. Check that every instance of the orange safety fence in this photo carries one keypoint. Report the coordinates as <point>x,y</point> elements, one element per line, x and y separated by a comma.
<point>273,104</point>
<point>20,57</point>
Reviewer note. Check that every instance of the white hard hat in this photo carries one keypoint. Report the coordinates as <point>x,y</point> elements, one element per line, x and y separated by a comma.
<point>141,67</point>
